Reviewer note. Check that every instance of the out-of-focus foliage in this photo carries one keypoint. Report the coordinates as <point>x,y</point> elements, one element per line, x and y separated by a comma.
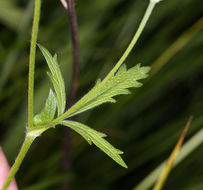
<point>145,125</point>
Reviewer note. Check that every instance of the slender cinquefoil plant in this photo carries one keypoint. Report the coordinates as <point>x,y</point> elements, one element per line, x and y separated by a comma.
<point>115,83</point>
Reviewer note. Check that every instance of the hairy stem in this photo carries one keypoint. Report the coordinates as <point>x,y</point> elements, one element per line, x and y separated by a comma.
<point>116,67</point>
<point>35,28</point>
<point>24,149</point>
<point>29,138</point>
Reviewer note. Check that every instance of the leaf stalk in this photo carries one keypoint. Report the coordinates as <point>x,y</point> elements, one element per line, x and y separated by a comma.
<point>147,14</point>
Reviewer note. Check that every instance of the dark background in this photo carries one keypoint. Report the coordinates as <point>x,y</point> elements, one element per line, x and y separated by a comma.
<point>145,124</point>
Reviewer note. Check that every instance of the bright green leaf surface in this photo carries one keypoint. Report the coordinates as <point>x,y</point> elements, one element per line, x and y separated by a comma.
<point>47,114</point>
<point>93,136</point>
<point>116,85</point>
<point>56,78</point>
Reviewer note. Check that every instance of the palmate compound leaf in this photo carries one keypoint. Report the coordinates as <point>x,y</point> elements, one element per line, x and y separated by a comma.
<point>101,93</point>
<point>56,78</point>
<point>115,85</point>
<point>93,136</point>
<point>47,114</point>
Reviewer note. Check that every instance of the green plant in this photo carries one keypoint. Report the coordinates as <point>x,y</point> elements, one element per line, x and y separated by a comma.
<point>115,83</point>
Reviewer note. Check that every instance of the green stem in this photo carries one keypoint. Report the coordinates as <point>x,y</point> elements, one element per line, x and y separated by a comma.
<point>29,137</point>
<point>116,67</point>
<point>133,41</point>
<point>25,147</point>
<point>35,28</point>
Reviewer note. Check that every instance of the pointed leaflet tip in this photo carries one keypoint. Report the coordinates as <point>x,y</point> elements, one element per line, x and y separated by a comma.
<point>116,85</point>
<point>96,138</point>
<point>56,78</point>
<point>55,57</point>
<point>120,151</point>
<point>98,82</point>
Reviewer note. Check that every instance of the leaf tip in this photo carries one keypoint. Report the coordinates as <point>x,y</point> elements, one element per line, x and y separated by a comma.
<point>124,165</point>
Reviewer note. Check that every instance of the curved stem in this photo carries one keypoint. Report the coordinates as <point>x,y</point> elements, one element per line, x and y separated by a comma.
<point>35,28</point>
<point>25,147</point>
<point>118,64</point>
<point>133,41</point>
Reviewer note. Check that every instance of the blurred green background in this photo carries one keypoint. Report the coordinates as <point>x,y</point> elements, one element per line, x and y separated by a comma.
<point>145,124</point>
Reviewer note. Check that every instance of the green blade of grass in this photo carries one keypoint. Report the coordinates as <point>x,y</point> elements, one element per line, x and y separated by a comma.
<point>160,182</point>
<point>186,149</point>
<point>176,46</point>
